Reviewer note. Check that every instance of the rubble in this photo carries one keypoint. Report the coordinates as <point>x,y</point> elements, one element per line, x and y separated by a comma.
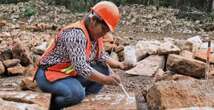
<point>35,32</point>
<point>186,66</point>
<point>156,47</point>
<point>11,62</point>
<point>5,53</point>
<point>130,56</point>
<point>150,47</point>
<point>29,70</point>
<point>196,40</point>
<point>167,95</point>
<point>186,54</point>
<point>41,27</point>
<point>27,83</point>
<point>184,45</point>
<point>167,76</point>
<point>15,70</point>
<point>20,52</point>
<point>168,48</point>
<point>39,50</point>
<point>159,74</point>
<point>141,54</point>
<point>2,68</point>
<point>8,105</point>
<point>163,20</point>
<point>148,66</point>
<point>2,23</point>
<point>22,100</point>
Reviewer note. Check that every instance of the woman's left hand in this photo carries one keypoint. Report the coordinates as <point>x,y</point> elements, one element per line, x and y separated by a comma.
<point>124,66</point>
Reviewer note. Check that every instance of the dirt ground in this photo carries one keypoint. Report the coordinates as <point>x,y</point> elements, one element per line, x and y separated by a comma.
<point>133,84</point>
<point>129,35</point>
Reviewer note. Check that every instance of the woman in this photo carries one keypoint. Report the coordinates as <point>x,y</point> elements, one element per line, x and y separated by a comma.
<point>75,65</point>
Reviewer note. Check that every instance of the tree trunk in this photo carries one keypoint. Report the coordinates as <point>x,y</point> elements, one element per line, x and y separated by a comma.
<point>157,4</point>
<point>212,4</point>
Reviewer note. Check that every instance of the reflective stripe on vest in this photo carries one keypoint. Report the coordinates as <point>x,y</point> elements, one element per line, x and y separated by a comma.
<point>63,70</point>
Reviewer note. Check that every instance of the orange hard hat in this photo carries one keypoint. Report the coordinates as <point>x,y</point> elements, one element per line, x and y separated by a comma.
<point>109,12</point>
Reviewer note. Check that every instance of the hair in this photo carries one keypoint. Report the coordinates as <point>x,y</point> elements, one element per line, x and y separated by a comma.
<point>89,16</point>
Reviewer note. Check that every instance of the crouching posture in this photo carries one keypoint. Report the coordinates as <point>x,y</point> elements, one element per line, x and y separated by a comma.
<point>75,64</point>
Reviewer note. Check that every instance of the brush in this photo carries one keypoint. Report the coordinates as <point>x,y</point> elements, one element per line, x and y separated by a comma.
<point>119,84</point>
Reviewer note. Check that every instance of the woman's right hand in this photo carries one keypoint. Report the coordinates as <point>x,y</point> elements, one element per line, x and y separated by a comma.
<point>113,79</point>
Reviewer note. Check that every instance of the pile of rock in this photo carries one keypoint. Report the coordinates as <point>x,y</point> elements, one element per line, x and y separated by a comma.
<point>178,56</point>
<point>14,60</point>
<point>163,20</point>
<point>178,67</point>
<point>56,15</point>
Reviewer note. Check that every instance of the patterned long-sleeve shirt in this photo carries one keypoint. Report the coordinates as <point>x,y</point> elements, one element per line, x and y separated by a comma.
<point>71,45</point>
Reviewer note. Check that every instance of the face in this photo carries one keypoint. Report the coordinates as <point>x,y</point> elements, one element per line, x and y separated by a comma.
<point>98,28</point>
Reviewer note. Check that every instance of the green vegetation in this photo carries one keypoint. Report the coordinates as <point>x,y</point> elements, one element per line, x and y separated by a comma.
<point>84,5</point>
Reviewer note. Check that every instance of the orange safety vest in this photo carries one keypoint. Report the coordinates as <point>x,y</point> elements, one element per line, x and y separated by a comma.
<point>56,72</point>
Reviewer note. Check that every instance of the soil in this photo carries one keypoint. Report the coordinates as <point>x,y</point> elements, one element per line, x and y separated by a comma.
<point>128,34</point>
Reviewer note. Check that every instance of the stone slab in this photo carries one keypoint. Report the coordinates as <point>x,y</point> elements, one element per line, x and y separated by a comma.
<point>148,66</point>
<point>107,101</point>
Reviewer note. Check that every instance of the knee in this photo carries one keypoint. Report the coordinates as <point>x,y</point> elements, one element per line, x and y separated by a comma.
<point>78,95</point>
<point>75,96</point>
<point>94,89</point>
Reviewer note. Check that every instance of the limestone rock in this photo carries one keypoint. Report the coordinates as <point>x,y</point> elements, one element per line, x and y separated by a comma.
<point>11,62</point>
<point>105,101</point>
<point>148,66</point>
<point>20,52</point>
<point>157,47</point>
<point>186,66</point>
<point>2,68</point>
<point>184,45</point>
<point>130,56</point>
<point>39,50</point>
<point>159,74</point>
<point>29,100</point>
<point>29,70</point>
<point>16,70</point>
<point>28,84</point>
<point>175,77</point>
<point>10,105</point>
<point>186,54</point>
<point>168,48</point>
<point>171,95</point>
<point>150,47</point>
<point>5,54</point>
